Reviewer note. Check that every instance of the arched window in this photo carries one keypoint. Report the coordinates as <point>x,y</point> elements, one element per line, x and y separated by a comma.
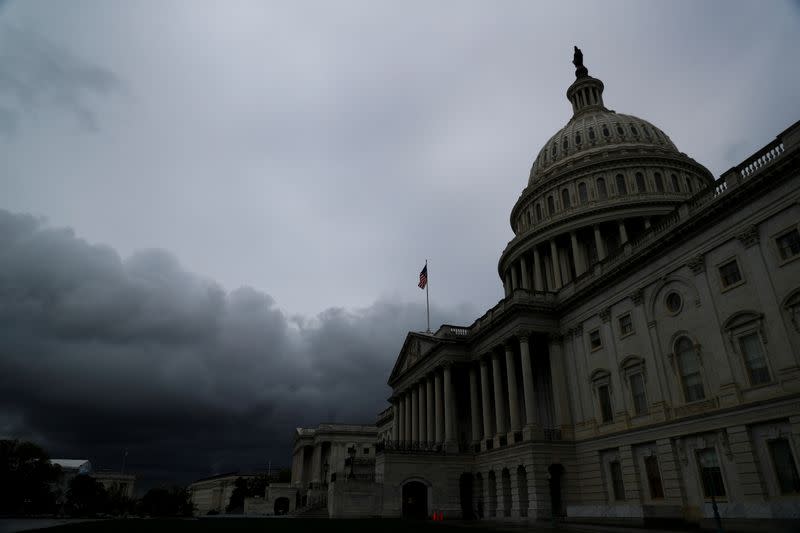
<point>529,218</point>
<point>647,132</point>
<point>634,130</point>
<point>675,186</point>
<point>538,212</point>
<point>578,139</point>
<point>555,149</point>
<point>620,130</point>
<point>565,144</point>
<point>565,199</point>
<point>583,193</point>
<point>659,182</point>
<point>622,187</point>
<point>606,133</point>
<point>640,187</point>
<point>602,194</point>
<point>689,370</point>
<point>551,206</point>
<point>591,133</point>
<point>689,185</point>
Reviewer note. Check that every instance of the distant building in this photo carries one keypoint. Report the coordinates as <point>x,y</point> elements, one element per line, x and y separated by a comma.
<point>643,365</point>
<point>117,481</point>
<point>73,467</point>
<point>212,494</point>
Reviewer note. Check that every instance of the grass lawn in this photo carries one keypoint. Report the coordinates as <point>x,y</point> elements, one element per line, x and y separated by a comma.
<point>271,525</point>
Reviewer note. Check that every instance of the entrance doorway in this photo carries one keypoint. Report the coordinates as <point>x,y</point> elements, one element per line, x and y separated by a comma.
<point>465,485</point>
<point>281,506</point>
<point>556,472</point>
<point>415,500</point>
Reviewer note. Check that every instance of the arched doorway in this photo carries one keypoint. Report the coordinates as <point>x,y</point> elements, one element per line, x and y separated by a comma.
<point>556,472</point>
<point>480,491</point>
<point>465,490</point>
<point>415,500</point>
<point>505,478</point>
<point>281,505</point>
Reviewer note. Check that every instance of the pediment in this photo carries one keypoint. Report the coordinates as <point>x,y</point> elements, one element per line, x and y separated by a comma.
<point>415,348</point>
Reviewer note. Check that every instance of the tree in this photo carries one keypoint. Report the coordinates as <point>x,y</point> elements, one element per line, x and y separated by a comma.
<point>161,501</point>
<point>86,496</point>
<point>27,478</point>
<point>246,488</point>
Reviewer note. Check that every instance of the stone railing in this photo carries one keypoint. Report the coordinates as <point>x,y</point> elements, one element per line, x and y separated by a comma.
<point>760,159</point>
<point>407,446</point>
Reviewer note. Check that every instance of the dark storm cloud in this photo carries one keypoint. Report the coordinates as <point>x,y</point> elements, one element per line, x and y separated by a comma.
<point>99,353</point>
<point>35,74</point>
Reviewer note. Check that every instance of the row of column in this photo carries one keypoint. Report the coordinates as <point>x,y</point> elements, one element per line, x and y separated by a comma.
<point>425,411</point>
<point>517,275</point>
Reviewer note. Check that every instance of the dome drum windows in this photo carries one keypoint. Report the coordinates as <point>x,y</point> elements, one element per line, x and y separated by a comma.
<point>675,184</point>
<point>606,132</point>
<point>620,131</point>
<point>640,184</point>
<point>659,182</point>
<point>583,193</point>
<point>551,206</point>
<point>634,131</point>
<point>591,133</point>
<point>602,192</point>
<point>565,203</point>
<point>622,187</point>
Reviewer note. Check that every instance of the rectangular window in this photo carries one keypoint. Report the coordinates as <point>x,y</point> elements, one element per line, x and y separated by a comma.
<point>616,480</point>
<point>605,403</point>
<point>789,244</point>
<point>594,339</point>
<point>729,273</point>
<point>753,354</point>
<point>653,477</point>
<point>785,467</point>
<point>637,391</point>
<point>366,451</point>
<point>625,324</point>
<point>710,473</point>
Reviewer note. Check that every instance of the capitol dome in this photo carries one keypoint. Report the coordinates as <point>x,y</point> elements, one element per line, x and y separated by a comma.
<point>601,181</point>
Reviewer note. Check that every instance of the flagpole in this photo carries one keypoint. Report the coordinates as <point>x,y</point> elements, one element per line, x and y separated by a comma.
<point>427,298</point>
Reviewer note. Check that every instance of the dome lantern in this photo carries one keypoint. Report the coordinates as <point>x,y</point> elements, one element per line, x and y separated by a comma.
<point>586,93</point>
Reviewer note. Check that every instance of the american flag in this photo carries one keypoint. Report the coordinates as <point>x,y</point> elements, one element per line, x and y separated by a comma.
<point>423,277</point>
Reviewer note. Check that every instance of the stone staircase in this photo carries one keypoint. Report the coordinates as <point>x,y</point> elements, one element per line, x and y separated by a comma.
<point>315,509</point>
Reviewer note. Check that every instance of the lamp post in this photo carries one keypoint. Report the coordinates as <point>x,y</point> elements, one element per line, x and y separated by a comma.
<point>351,451</point>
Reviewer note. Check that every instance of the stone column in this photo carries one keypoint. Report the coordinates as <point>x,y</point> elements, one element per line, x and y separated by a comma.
<point>523,267</point>
<point>423,411</point>
<point>395,421</point>
<point>528,387</point>
<point>514,276</point>
<point>556,266</point>
<point>414,414</point>
<point>431,406</point>
<point>486,401</point>
<point>401,420</point>
<point>577,255</point>
<point>449,406</point>
<point>560,394</point>
<point>513,394</point>
<point>499,401</point>
<point>507,284</point>
<point>623,235</point>
<point>537,270</point>
<point>474,406</point>
<point>316,464</point>
<point>600,243</point>
<point>407,418</point>
<point>439,407</point>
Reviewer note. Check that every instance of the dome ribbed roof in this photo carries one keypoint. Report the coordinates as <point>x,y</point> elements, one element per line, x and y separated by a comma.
<point>597,130</point>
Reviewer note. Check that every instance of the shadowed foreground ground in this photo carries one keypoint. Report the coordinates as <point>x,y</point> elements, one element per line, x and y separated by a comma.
<point>274,525</point>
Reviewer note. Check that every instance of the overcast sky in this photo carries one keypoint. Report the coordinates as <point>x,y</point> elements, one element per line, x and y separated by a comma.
<point>214,213</point>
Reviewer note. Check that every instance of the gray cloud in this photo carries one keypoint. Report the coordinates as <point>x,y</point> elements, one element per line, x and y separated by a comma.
<point>36,74</point>
<point>99,353</point>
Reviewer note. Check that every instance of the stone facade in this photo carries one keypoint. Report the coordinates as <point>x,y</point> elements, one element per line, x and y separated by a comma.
<point>645,362</point>
<point>212,495</point>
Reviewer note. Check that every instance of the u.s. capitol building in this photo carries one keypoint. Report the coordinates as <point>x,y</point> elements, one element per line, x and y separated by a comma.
<point>644,364</point>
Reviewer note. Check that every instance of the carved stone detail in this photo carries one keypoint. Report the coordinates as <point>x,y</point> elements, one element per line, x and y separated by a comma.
<point>697,264</point>
<point>578,330</point>
<point>637,297</point>
<point>605,314</point>
<point>749,236</point>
